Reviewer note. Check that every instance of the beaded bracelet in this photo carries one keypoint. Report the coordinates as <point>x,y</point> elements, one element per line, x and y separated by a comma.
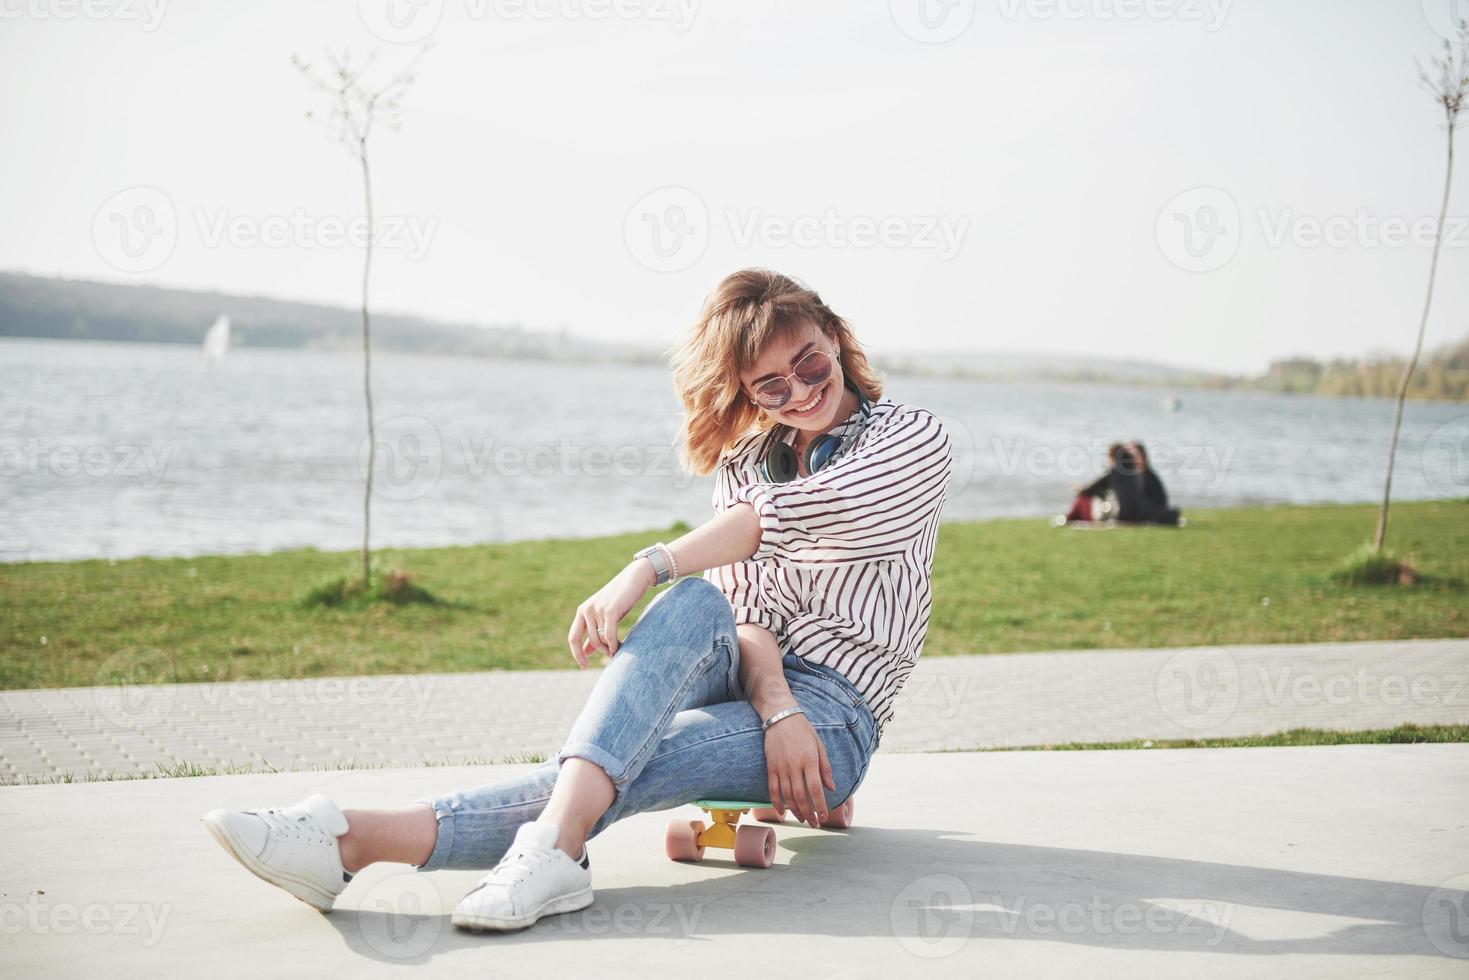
<point>672,564</point>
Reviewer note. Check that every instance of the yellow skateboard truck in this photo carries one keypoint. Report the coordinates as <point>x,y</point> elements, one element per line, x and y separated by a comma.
<point>754,847</point>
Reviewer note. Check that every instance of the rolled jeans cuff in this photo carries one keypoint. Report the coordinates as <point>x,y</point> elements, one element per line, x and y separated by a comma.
<point>614,767</point>
<point>444,842</point>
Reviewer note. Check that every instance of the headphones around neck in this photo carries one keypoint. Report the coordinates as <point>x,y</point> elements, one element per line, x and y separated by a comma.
<point>780,464</point>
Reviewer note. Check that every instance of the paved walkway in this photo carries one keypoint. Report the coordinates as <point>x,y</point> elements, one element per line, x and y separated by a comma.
<point>1342,861</point>
<point>949,702</point>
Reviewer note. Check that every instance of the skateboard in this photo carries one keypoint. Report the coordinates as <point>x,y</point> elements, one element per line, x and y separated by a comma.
<point>754,847</point>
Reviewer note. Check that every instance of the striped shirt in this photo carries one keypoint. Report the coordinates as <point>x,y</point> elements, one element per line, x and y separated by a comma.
<point>841,574</point>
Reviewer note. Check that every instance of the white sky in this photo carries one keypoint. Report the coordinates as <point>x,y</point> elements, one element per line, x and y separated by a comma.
<point>1048,135</point>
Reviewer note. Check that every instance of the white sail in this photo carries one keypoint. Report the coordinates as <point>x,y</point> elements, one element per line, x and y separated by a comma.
<point>217,340</point>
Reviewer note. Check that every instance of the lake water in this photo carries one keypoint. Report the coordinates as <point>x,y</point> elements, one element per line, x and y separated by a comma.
<point>117,450</point>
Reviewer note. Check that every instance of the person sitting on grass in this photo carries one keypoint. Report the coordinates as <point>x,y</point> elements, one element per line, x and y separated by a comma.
<point>1130,491</point>
<point>771,677</point>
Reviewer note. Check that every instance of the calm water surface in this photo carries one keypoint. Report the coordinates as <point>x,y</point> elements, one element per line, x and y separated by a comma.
<point>116,450</point>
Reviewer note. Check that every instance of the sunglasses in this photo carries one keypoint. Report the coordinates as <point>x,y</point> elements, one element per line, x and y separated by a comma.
<point>810,370</point>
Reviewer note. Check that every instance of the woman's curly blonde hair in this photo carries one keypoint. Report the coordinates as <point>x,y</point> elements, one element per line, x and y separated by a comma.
<point>744,312</point>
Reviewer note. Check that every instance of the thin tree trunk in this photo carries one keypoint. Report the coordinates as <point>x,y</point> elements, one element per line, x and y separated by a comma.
<point>1397,421</point>
<point>367,376</point>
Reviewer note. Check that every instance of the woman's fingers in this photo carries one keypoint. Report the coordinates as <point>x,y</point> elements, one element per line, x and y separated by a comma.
<point>788,794</point>
<point>815,796</point>
<point>574,638</point>
<point>607,625</point>
<point>583,637</point>
<point>595,638</point>
<point>827,778</point>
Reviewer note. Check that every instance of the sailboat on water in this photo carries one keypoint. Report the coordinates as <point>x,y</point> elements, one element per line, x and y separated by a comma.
<point>217,340</point>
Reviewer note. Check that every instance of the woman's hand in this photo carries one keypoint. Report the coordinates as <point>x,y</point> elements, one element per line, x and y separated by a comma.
<point>796,762</point>
<point>594,627</point>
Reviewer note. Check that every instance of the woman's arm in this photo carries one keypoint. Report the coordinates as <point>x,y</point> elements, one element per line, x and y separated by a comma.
<point>795,759</point>
<point>722,540</point>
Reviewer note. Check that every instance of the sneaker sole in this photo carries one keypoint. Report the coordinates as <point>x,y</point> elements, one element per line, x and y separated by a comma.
<point>311,894</point>
<point>484,923</point>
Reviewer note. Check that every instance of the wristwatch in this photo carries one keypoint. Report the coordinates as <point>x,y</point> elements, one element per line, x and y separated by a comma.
<point>658,555</point>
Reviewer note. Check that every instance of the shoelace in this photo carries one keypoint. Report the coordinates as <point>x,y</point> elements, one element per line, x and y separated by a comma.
<point>300,827</point>
<point>511,870</point>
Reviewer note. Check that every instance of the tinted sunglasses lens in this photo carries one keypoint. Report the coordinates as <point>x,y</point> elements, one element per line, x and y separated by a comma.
<point>814,368</point>
<point>774,393</point>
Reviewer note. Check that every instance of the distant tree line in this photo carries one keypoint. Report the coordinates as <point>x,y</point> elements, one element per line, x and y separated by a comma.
<point>1443,375</point>
<point>75,309</point>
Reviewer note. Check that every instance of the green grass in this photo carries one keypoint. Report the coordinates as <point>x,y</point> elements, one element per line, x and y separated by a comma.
<point>1231,577</point>
<point>1402,734</point>
<point>1368,567</point>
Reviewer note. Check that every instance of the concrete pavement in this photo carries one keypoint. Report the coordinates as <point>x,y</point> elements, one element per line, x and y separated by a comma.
<point>1323,862</point>
<point>949,702</point>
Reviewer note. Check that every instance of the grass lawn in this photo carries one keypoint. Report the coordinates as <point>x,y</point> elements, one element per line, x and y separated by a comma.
<point>1231,577</point>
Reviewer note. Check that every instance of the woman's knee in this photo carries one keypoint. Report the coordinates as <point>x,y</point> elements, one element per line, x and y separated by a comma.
<point>689,601</point>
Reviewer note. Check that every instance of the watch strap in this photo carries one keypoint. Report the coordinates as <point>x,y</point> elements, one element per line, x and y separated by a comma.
<point>661,570</point>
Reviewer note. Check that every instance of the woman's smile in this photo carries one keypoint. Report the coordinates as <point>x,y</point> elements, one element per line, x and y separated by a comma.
<point>814,404</point>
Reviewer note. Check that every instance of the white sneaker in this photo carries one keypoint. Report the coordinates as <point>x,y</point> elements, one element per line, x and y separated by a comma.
<point>294,847</point>
<point>533,879</point>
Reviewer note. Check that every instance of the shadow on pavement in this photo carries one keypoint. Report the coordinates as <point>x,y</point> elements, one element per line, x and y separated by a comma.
<point>933,891</point>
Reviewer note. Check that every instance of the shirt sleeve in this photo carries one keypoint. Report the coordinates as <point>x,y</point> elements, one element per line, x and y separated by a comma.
<point>872,504</point>
<point>744,583</point>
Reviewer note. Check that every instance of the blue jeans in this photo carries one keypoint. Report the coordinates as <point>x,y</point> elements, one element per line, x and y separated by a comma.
<point>668,723</point>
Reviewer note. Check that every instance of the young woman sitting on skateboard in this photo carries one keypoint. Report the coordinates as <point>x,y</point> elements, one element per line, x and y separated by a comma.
<point>769,677</point>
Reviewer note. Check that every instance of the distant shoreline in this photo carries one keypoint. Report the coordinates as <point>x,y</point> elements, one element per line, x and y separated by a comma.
<point>896,365</point>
